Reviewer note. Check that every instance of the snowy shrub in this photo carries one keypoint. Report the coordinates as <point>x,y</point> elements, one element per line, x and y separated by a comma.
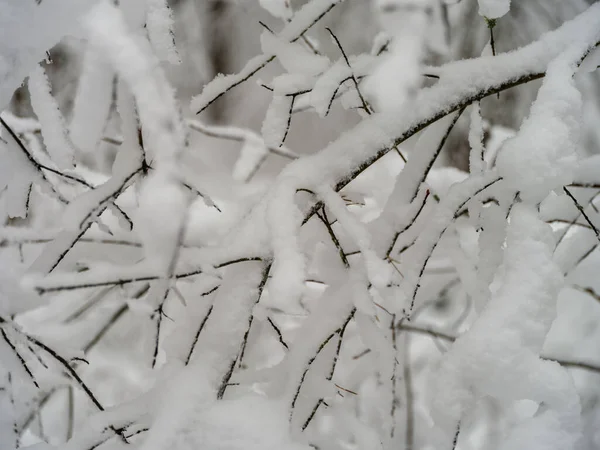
<point>362,297</point>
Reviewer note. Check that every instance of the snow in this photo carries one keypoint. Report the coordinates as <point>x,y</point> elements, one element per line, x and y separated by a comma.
<point>543,154</point>
<point>92,102</point>
<point>294,58</point>
<point>476,156</point>
<point>379,272</point>
<point>250,422</point>
<point>395,81</point>
<point>328,83</point>
<point>499,355</point>
<point>587,169</point>
<point>252,154</point>
<point>491,239</point>
<point>222,379</point>
<point>219,343</point>
<point>493,9</point>
<point>283,219</point>
<point>133,60</point>
<point>277,8</point>
<point>51,120</point>
<point>16,175</point>
<point>417,257</point>
<point>275,125</point>
<point>159,23</point>
<point>303,19</point>
<point>158,219</point>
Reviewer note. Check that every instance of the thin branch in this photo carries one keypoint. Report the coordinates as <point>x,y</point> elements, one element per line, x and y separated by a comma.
<point>587,290</point>
<point>306,369</point>
<point>447,337</point>
<point>237,135</point>
<point>240,357</point>
<point>289,121</point>
<point>408,386</point>
<point>128,280</point>
<point>455,440</point>
<point>36,165</point>
<point>20,358</point>
<point>582,211</point>
<point>76,377</point>
<point>394,376</point>
<point>407,226</point>
<point>336,356</point>
<point>261,286</point>
<point>334,238</point>
<point>201,327</point>
<point>278,331</point>
<point>365,106</point>
<point>257,64</point>
<point>424,265</point>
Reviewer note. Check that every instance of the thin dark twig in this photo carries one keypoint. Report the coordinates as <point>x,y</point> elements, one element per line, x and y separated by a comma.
<point>407,226</point>
<point>336,356</point>
<point>334,238</point>
<point>167,279</point>
<point>422,269</point>
<point>201,327</point>
<point>437,151</point>
<point>201,195</point>
<point>289,121</point>
<point>266,61</point>
<point>87,221</point>
<point>109,323</point>
<point>455,440</point>
<point>229,374</point>
<point>11,395</point>
<point>37,166</point>
<point>306,369</point>
<point>20,358</point>
<point>123,281</point>
<point>408,385</point>
<point>587,290</point>
<point>365,106</point>
<point>261,286</point>
<point>76,377</point>
<point>582,258</point>
<point>279,334</point>
<point>394,376</point>
<point>447,337</point>
<point>583,213</point>
<point>217,133</point>
<point>113,319</point>
<point>96,298</point>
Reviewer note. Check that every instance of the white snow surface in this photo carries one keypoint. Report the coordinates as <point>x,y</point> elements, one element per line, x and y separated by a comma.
<point>499,355</point>
<point>493,9</point>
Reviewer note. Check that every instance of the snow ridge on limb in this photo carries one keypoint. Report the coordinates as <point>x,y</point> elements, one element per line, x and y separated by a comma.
<point>303,19</point>
<point>51,121</point>
<point>499,355</point>
<point>159,22</point>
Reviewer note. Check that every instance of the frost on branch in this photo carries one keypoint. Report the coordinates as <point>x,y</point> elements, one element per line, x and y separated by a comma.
<point>499,355</point>
<point>51,121</point>
<point>542,156</point>
<point>355,295</point>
